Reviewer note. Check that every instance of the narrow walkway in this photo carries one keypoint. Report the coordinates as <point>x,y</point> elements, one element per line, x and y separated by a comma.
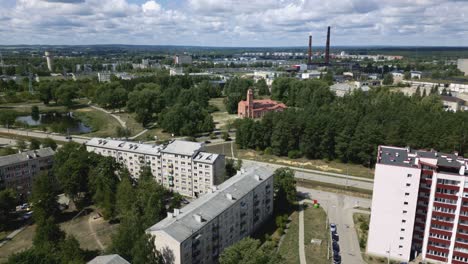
<point>139,134</point>
<point>91,228</point>
<point>302,257</point>
<point>12,235</point>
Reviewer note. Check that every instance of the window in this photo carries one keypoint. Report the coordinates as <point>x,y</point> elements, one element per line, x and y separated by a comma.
<point>406,194</point>
<point>404,211</point>
<point>409,175</point>
<point>403,221</point>
<point>405,203</point>
<point>402,238</point>
<point>402,230</point>
<point>400,246</point>
<point>408,184</point>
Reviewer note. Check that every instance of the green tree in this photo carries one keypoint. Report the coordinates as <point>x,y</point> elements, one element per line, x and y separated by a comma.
<point>250,251</point>
<point>34,144</point>
<point>262,87</point>
<point>8,202</point>
<point>285,187</point>
<point>144,251</point>
<point>145,104</point>
<point>35,115</point>
<point>48,235</point>
<point>103,184</point>
<point>49,143</point>
<point>388,79</point>
<point>70,251</point>
<point>21,144</point>
<point>125,193</point>
<point>7,118</point>
<point>44,197</point>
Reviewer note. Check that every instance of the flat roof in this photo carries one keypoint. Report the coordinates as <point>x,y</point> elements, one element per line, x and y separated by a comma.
<point>25,156</point>
<point>206,157</point>
<point>181,147</point>
<point>129,146</point>
<point>406,157</point>
<point>210,205</point>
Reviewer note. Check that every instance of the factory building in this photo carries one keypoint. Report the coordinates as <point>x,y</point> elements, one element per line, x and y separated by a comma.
<point>181,166</point>
<point>17,171</point>
<point>419,206</point>
<point>200,231</point>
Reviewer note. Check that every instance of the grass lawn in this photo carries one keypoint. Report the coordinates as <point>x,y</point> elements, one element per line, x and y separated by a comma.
<point>221,118</point>
<point>20,242</point>
<point>102,124</point>
<point>321,165</point>
<point>314,228</point>
<point>132,124</point>
<point>289,247</point>
<point>224,148</point>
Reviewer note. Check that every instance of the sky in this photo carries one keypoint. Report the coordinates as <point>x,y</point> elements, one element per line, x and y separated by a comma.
<point>234,23</point>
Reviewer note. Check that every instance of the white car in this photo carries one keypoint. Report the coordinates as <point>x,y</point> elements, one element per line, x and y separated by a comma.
<point>333,228</point>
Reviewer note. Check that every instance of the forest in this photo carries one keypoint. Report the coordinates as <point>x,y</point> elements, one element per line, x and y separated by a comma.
<point>320,125</point>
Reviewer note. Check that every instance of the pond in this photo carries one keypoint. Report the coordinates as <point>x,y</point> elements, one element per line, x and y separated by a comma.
<point>57,122</point>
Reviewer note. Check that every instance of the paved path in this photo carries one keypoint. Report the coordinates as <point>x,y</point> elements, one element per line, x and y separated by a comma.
<point>12,235</point>
<point>39,134</point>
<point>91,228</point>
<point>340,209</point>
<point>121,122</point>
<point>302,256</point>
<point>139,134</point>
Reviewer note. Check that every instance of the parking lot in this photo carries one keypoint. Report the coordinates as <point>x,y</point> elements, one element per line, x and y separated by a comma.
<point>340,210</point>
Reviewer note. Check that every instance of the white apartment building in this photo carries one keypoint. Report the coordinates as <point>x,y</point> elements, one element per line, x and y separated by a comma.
<point>182,59</point>
<point>17,171</point>
<point>181,166</point>
<point>419,206</point>
<point>199,232</point>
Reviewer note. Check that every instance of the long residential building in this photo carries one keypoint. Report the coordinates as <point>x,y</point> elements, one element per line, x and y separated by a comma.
<point>419,206</point>
<point>181,166</point>
<point>200,231</point>
<point>17,171</point>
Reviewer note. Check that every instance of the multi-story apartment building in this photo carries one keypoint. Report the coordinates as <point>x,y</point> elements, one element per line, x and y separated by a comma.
<point>419,206</point>
<point>17,171</point>
<point>199,232</point>
<point>181,166</point>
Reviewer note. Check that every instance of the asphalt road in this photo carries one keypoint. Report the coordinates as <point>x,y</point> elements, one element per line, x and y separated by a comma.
<point>313,175</point>
<point>340,210</point>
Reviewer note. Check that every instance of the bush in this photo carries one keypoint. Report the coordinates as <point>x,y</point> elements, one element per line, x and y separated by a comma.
<point>294,154</point>
<point>213,136</point>
<point>364,226</point>
<point>226,136</point>
<point>268,151</point>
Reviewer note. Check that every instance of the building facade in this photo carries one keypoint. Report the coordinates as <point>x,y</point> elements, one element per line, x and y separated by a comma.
<point>181,166</point>
<point>199,232</point>
<point>17,171</point>
<point>182,59</point>
<point>419,206</point>
<point>257,108</point>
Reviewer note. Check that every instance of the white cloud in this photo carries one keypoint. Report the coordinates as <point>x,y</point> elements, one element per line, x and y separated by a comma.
<point>151,6</point>
<point>234,22</point>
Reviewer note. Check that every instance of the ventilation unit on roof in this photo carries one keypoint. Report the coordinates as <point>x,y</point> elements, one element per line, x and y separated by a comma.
<point>198,218</point>
<point>169,215</point>
<point>462,170</point>
<point>229,196</point>
<point>257,177</point>
<point>176,212</point>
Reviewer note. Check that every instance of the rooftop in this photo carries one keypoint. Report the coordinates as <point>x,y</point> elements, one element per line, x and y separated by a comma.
<point>175,147</point>
<point>452,99</point>
<point>209,206</point>
<point>108,259</point>
<point>206,157</point>
<point>407,157</point>
<point>183,147</point>
<point>25,156</point>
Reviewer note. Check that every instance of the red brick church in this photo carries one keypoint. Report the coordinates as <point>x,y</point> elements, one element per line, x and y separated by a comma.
<point>257,108</point>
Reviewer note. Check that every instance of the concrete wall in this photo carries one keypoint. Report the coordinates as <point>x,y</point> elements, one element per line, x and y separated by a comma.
<point>393,211</point>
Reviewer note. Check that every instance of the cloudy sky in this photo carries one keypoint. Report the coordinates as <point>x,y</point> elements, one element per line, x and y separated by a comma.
<point>234,22</point>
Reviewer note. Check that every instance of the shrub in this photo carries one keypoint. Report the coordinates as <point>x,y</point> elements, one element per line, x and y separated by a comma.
<point>294,154</point>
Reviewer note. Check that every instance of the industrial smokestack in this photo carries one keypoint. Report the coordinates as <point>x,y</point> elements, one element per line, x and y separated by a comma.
<point>309,57</point>
<point>327,48</point>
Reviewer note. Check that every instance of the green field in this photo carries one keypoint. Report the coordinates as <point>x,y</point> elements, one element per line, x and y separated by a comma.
<point>102,124</point>
<point>314,228</point>
<point>289,248</point>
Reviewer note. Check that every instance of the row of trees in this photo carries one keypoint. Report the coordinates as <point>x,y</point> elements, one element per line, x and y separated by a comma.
<point>350,128</point>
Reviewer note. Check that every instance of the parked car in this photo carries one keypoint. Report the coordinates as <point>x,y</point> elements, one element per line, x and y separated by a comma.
<point>332,228</point>
<point>336,259</point>
<point>336,246</point>
<point>335,237</point>
<point>27,215</point>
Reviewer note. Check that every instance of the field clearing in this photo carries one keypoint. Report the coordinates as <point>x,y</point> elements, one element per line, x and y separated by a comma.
<point>81,228</point>
<point>221,117</point>
<point>321,165</point>
<point>289,248</point>
<point>314,228</point>
<point>223,148</point>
